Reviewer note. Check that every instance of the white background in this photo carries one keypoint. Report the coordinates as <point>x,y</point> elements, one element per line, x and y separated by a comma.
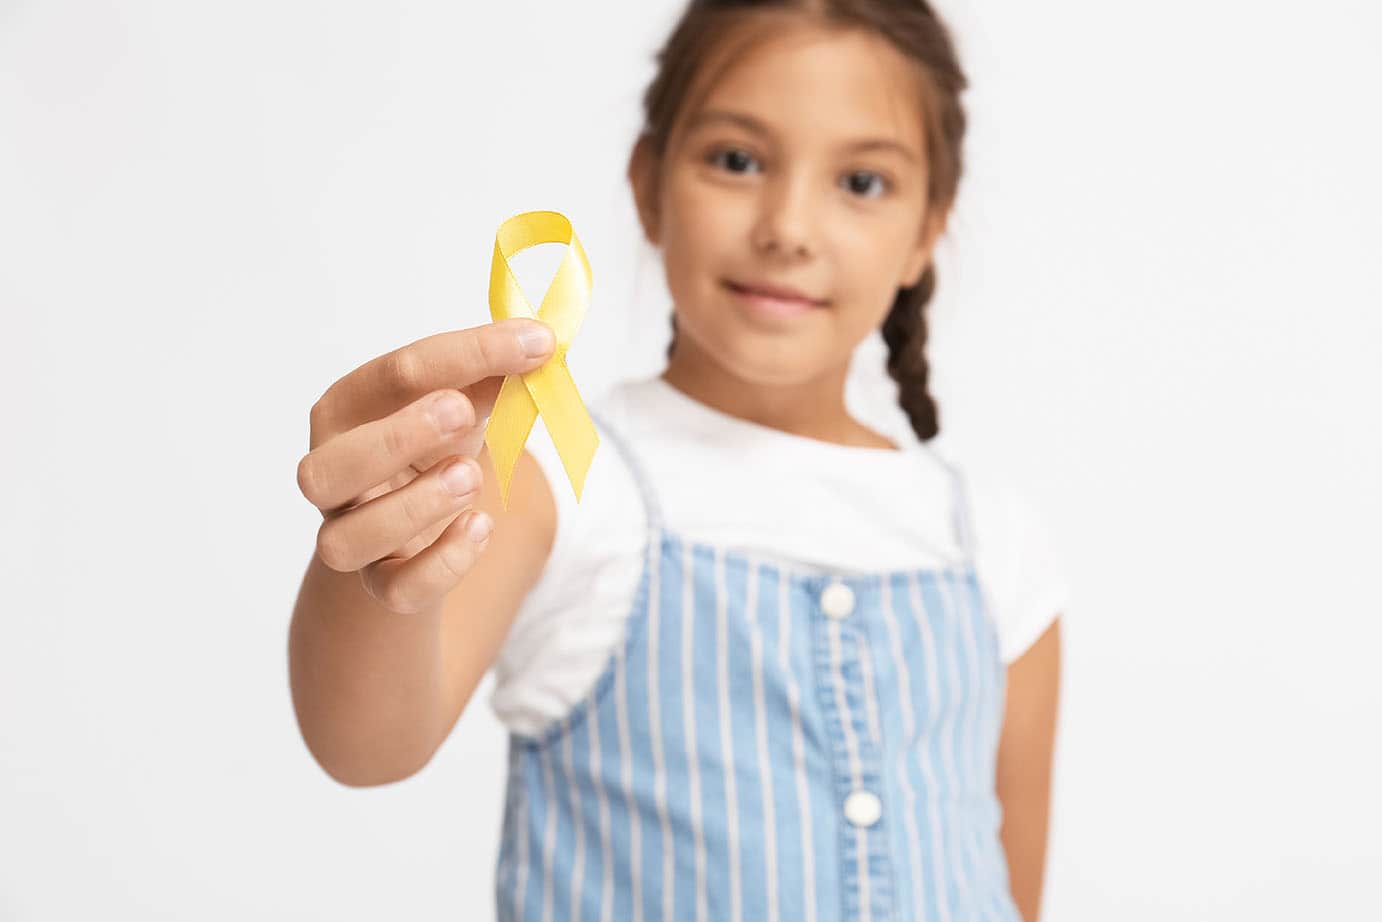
<point>1160,311</point>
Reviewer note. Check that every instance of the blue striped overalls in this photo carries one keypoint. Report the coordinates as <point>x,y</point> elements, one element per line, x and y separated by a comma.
<point>770,742</point>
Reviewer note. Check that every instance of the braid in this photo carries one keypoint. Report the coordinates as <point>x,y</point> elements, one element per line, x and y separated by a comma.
<point>904,330</point>
<point>915,29</point>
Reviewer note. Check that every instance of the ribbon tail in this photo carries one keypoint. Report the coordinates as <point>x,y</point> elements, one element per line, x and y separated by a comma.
<point>509,424</point>
<point>553,391</point>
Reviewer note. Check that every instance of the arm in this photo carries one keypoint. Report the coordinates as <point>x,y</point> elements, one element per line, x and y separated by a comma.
<point>1024,766</point>
<point>481,608</point>
<point>377,692</point>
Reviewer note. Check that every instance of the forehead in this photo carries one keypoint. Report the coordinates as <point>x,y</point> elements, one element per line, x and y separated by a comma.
<point>811,81</point>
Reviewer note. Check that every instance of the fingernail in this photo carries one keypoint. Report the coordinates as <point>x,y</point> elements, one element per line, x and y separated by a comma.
<point>536,340</point>
<point>460,478</point>
<point>449,412</point>
<point>479,527</point>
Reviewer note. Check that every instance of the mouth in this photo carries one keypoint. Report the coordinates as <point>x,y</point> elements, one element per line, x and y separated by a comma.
<point>774,300</point>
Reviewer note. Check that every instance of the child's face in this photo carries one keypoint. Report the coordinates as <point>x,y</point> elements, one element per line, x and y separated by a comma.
<point>803,169</point>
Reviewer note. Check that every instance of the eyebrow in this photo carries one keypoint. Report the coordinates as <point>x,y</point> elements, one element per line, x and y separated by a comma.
<point>754,126</point>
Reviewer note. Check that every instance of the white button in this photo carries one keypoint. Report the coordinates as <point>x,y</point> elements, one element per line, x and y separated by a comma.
<point>837,600</point>
<point>863,808</point>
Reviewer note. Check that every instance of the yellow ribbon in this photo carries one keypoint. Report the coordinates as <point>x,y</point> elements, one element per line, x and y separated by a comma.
<point>550,389</point>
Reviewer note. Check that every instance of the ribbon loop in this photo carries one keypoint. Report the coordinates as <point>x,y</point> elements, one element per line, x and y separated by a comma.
<point>549,390</point>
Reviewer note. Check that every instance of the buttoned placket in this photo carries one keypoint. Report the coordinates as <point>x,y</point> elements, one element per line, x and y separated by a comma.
<point>843,666</point>
<point>635,804</point>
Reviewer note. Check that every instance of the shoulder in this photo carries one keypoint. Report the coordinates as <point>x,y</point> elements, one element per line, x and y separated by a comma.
<point>1017,557</point>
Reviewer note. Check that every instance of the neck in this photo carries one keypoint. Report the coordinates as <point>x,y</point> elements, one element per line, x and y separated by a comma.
<point>813,407</point>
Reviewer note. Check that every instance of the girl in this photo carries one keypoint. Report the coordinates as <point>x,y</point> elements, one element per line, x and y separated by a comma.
<point>773,665</point>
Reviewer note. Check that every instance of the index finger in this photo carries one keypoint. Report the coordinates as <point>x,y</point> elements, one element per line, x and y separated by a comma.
<point>456,359</point>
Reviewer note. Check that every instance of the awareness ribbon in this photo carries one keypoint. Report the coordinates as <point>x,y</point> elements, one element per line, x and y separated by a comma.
<point>549,390</point>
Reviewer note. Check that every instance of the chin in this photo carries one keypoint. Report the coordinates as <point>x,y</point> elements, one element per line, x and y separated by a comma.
<point>770,361</point>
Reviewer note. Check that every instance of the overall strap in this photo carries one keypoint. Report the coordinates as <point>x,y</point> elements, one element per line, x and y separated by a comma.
<point>640,475</point>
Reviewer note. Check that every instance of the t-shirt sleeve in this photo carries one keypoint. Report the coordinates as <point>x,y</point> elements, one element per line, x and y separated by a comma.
<point>1020,567</point>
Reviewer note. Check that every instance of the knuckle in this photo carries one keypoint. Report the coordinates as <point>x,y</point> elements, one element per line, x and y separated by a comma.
<point>418,510</point>
<point>317,415</point>
<point>333,549</point>
<point>397,595</point>
<point>370,578</point>
<point>309,477</point>
<point>406,369</point>
<point>489,347</point>
<point>323,418</point>
<point>454,555</point>
<point>472,355</point>
<point>395,438</point>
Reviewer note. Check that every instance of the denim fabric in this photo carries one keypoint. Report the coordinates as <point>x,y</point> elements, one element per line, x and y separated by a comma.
<point>725,765</point>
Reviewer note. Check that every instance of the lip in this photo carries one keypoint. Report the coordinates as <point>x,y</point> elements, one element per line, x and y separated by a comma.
<point>773,300</point>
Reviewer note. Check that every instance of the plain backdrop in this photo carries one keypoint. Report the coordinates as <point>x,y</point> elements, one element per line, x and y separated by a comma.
<point>1160,313</point>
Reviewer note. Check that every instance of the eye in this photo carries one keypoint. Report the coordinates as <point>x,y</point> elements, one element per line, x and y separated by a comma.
<point>734,160</point>
<point>866,183</point>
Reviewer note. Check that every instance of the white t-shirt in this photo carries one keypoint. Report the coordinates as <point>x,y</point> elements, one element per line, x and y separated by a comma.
<point>750,488</point>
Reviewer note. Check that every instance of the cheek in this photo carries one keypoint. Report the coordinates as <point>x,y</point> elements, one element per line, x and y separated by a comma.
<point>866,269</point>
<point>700,228</point>
<point>873,259</point>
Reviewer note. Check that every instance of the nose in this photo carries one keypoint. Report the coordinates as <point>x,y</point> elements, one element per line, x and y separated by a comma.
<point>784,228</point>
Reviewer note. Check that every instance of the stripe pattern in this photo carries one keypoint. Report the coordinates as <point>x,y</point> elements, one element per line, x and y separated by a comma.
<point>706,776</point>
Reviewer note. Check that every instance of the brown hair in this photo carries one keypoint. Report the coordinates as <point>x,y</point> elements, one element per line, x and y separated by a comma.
<point>915,29</point>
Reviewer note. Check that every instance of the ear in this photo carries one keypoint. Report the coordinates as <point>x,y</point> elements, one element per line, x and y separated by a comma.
<point>920,257</point>
<point>643,180</point>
